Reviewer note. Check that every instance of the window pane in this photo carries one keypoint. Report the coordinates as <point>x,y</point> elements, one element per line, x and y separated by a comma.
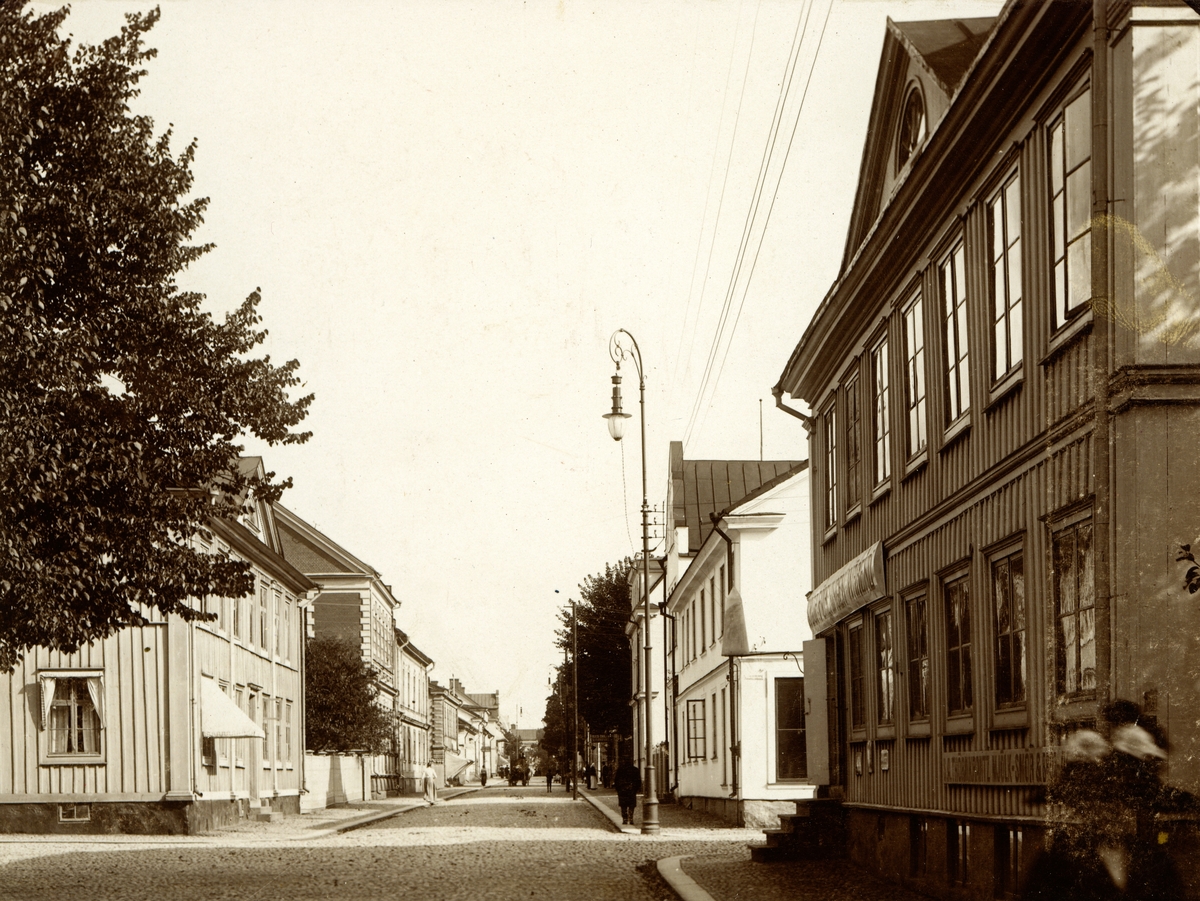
<point>1079,269</point>
<point>885,666</point>
<point>1079,201</point>
<point>1079,130</point>
<point>1056,159</point>
<point>1012,210</point>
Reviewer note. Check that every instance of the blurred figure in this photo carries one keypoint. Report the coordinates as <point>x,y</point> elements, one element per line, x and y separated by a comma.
<point>1104,843</point>
<point>430,784</point>
<point>628,782</point>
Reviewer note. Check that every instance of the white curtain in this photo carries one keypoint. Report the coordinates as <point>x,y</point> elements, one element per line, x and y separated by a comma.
<point>48,683</point>
<point>97,695</point>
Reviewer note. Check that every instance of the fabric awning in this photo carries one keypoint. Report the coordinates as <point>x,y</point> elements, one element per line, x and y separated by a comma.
<point>221,718</point>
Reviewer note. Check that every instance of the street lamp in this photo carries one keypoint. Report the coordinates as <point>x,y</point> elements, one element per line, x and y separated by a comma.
<point>622,346</point>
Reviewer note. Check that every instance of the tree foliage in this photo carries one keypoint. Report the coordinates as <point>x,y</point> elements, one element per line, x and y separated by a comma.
<point>605,683</point>
<point>121,401</point>
<point>341,711</point>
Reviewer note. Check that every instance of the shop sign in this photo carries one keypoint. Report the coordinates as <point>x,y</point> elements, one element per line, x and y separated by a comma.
<point>856,584</point>
<point>998,767</point>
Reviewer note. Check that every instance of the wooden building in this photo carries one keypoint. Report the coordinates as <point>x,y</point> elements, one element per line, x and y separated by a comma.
<point>170,727</point>
<point>1005,402</point>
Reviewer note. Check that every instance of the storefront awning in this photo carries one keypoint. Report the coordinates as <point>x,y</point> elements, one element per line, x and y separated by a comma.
<point>221,718</point>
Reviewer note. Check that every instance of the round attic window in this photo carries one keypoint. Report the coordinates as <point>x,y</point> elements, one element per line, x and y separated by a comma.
<point>912,128</point>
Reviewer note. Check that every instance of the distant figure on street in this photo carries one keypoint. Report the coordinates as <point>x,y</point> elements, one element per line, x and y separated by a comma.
<point>483,778</point>
<point>628,782</point>
<point>430,784</point>
<point>590,774</point>
<point>549,775</point>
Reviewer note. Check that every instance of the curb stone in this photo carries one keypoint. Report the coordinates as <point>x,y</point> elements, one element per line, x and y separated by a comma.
<point>687,888</point>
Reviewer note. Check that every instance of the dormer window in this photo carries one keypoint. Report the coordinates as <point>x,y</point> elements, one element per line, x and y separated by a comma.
<point>912,127</point>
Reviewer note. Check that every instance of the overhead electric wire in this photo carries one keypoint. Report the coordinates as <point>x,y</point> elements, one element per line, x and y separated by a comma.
<point>774,197</point>
<point>751,213</point>
<point>708,194</point>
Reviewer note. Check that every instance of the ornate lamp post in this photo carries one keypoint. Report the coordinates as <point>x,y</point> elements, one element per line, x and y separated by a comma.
<point>622,346</point>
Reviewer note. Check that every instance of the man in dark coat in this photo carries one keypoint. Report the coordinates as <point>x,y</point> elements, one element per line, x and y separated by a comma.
<point>628,782</point>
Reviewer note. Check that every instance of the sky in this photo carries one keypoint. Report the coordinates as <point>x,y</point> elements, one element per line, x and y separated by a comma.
<point>451,206</point>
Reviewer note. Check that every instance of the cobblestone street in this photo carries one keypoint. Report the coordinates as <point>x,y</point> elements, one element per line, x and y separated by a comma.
<point>500,843</point>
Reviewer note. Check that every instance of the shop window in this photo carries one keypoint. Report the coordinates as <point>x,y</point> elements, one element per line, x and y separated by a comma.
<point>1075,610</point>
<point>958,647</point>
<point>958,856</point>
<point>791,746</point>
<point>885,667</point>
<point>1008,593</point>
<point>858,712</point>
<point>918,658</point>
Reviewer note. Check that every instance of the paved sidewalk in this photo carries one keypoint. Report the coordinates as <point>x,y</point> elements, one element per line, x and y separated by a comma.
<point>307,826</point>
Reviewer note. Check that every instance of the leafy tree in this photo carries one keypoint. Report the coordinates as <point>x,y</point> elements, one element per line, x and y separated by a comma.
<point>605,682</point>
<point>341,710</point>
<point>121,402</point>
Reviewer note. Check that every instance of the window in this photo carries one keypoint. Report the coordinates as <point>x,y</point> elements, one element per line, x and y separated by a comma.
<point>263,636</point>
<point>278,646</point>
<point>954,297</point>
<point>695,729</point>
<point>918,659</point>
<point>853,445</point>
<point>724,732</point>
<point>830,421</point>
<point>958,646</point>
<point>286,651</point>
<point>237,743</point>
<point>703,624</point>
<point>237,617</point>
<point>1070,201</point>
<point>914,376</point>
<point>912,128</point>
<point>791,748</point>
<point>692,619</point>
<point>1075,610</point>
<point>74,813</point>
<point>712,609</point>
<point>716,738</point>
<point>858,714</point>
<point>1004,224</point>
<point>885,666</point>
<point>279,731</point>
<point>1008,592</point>
<point>883,427</point>
<point>72,707</point>
<point>722,604</point>
<point>265,725</point>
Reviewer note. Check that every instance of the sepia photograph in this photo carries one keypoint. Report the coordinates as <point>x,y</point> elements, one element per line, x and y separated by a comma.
<point>718,450</point>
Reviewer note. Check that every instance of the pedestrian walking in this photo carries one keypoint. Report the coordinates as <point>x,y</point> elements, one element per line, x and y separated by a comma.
<point>549,776</point>
<point>628,782</point>
<point>430,784</point>
<point>483,778</point>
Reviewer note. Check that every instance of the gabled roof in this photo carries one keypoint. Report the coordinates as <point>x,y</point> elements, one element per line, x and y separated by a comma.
<point>701,487</point>
<point>947,47</point>
<point>314,552</point>
<point>936,54</point>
